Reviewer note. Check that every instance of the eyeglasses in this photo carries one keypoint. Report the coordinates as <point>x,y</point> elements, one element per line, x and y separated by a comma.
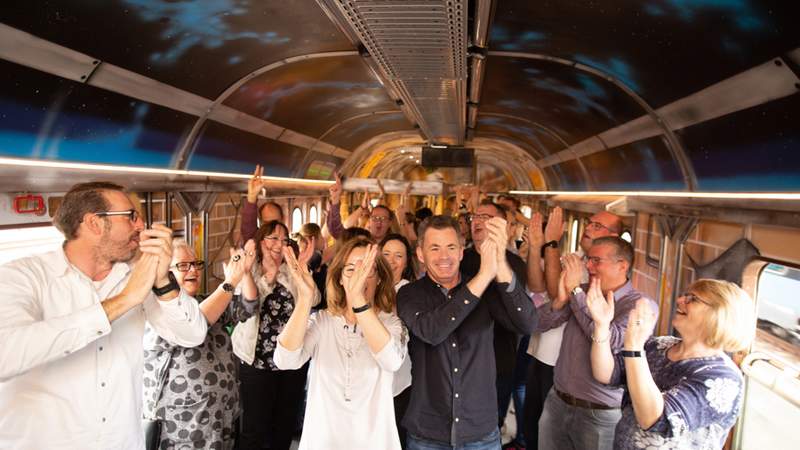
<point>379,219</point>
<point>691,298</point>
<point>597,260</point>
<point>132,214</point>
<point>273,239</point>
<point>596,226</point>
<point>185,266</point>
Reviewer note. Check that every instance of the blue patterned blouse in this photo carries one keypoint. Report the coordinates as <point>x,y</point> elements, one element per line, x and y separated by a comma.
<point>702,399</point>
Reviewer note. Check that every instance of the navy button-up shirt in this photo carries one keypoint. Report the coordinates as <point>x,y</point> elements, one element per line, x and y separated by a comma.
<point>453,396</point>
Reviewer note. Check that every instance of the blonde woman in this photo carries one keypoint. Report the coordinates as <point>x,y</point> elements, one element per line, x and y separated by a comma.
<point>681,393</point>
<point>357,344</point>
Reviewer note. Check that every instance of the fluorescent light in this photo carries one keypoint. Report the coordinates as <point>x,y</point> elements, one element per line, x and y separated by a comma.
<point>437,146</point>
<point>146,170</point>
<point>678,194</point>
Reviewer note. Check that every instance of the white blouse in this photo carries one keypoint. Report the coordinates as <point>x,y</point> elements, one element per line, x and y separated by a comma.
<point>350,403</point>
<point>402,378</point>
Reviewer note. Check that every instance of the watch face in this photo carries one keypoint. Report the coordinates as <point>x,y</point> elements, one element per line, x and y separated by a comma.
<point>227,287</point>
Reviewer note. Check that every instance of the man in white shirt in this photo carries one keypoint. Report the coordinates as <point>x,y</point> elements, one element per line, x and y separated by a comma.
<point>72,326</point>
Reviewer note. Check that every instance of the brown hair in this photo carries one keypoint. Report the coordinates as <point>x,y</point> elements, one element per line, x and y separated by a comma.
<point>264,231</point>
<point>82,199</point>
<point>384,292</point>
<point>437,223</point>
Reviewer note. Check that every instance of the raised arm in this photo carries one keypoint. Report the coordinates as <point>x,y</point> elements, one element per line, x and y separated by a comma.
<point>552,255</point>
<point>602,313</point>
<point>536,281</point>
<point>293,334</point>
<point>334,219</point>
<point>647,399</point>
<point>249,223</point>
<point>236,271</point>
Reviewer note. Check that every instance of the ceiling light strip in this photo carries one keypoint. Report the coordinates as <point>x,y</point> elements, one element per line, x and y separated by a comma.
<point>148,170</point>
<point>666,194</point>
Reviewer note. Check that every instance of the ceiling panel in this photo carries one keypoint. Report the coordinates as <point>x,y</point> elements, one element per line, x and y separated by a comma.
<point>662,49</point>
<point>312,96</point>
<point>643,165</point>
<point>752,150</point>
<point>540,141</point>
<point>572,104</point>
<point>199,46</point>
<point>352,133</point>
<point>47,117</point>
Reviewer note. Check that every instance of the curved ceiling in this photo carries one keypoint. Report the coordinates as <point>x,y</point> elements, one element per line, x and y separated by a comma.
<point>566,95</point>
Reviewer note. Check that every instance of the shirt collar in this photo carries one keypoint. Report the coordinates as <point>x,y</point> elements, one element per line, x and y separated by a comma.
<point>60,266</point>
<point>623,291</point>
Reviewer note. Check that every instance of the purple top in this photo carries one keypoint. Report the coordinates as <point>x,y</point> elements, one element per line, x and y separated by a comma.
<point>573,371</point>
<point>334,221</point>
<point>702,399</point>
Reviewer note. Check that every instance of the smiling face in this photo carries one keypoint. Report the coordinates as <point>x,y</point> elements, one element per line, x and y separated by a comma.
<point>119,240</point>
<point>690,314</point>
<point>379,223</point>
<point>601,224</point>
<point>603,262</point>
<point>441,253</point>
<point>274,243</point>
<point>190,280</point>
<point>479,230</point>
<point>394,252</point>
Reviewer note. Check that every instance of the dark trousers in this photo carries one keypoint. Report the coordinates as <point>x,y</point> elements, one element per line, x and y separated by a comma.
<point>540,380</point>
<point>400,406</point>
<point>270,402</point>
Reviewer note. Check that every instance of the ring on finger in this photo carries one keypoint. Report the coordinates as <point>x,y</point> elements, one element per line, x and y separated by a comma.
<point>237,257</point>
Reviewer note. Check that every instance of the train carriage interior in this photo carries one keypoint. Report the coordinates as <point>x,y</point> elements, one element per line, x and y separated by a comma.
<point>683,117</point>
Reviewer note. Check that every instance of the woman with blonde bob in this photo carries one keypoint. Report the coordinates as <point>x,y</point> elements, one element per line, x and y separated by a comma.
<point>357,344</point>
<point>681,393</point>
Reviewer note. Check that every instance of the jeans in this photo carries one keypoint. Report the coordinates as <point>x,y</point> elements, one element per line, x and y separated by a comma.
<point>565,427</point>
<point>489,442</point>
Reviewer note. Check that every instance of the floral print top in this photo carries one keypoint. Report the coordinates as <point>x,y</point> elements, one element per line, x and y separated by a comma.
<point>275,312</point>
<point>702,399</point>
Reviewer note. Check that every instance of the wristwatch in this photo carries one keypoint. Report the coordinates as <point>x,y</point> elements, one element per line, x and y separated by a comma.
<point>551,244</point>
<point>577,290</point>
<point>631,353</point>
<point>227,287</point>
<point>169,287</point>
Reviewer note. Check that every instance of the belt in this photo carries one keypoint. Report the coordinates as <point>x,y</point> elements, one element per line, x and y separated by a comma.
<point>580,403</point>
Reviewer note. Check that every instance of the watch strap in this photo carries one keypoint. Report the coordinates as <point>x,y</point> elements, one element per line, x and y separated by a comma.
<point>631,353</point>
<point>551,244</point>
<point>227,287</point>
<point>169,287</point>
<point>361,308</point>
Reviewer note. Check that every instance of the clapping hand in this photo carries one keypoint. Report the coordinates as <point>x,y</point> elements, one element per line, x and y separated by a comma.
<point>354,285</point>
<point>157,241</point>
<point>600,308</point>
<point>572,271</point>
<point>308,251</point>
<point>240,263</point>
<point>301,277</point>
<point>641,323</point>
<point>335,190</point>
<point>535,234</point>
<point>555,225</point>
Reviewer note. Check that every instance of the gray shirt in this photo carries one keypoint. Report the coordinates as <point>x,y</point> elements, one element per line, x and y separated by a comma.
<point>573,371</point>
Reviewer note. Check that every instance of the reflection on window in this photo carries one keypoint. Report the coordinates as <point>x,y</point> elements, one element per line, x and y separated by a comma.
<point>297,220</point>
<point>374,202</point>
<point>626,236</point>
<point>20,242</point>
<point>526,211</point>
<point>312,214</point>
<point>772,405</point>
<point>573,236</point>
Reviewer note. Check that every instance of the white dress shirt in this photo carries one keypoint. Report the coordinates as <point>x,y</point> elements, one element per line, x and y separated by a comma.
<point>350,403</point>
<point>69,379</point>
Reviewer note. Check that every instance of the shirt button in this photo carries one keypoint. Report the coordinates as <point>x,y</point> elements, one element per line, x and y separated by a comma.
<point>454,344</point>
<point>66,352</point>
<point>456,419</point>
<point>452,318</point>
<point>455,369</point>
<point>100,349</point>
<point>519,309</point>
<point>103,384</point>
<point>456,394</point>
<point>104,419</point>
<point>466,302</point>
<point>99,333</point>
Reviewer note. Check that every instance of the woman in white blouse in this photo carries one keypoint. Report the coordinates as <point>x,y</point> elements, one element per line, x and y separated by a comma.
<point>357,345</point>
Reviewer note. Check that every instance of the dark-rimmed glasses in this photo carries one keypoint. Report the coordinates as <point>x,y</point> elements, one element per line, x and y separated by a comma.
<point>597,260</point>
<point>283,241</point>
<point>185,266</point>
<point>596,226</point>
<point>133,215</point>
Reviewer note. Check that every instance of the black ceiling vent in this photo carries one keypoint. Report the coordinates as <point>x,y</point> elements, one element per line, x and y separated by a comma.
<point>448,157</point>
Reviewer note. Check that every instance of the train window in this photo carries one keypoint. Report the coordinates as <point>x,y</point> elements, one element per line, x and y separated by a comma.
<point>772,400</point>
<point>573,236</point>
<point>374,202</point>
<point>297,220</point>
<point>526,211</point>
<point>626,235</point>
<point>312,214</point>
<point>16,243</point>
<point>652,244</point>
